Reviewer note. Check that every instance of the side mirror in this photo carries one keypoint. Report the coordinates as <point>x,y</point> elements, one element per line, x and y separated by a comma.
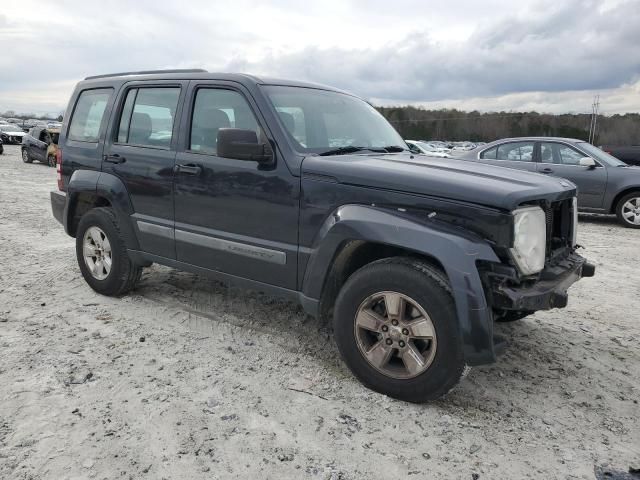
<point>587,162</point>
<point>243,145</point>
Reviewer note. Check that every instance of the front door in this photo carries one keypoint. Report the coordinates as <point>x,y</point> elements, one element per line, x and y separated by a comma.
<point>233,216</point>
<point>561,160</point>
<point>140,151</point>
<point>38,147</point>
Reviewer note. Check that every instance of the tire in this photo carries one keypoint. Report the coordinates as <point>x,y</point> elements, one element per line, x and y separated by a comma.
<point>624,209</point>
<point>122,275</point>
<point>51,160</point>
<point>26,158</point>
<point>417,282</point>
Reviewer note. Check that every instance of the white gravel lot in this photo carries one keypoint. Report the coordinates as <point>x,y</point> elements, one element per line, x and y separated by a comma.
<point>186,378</point>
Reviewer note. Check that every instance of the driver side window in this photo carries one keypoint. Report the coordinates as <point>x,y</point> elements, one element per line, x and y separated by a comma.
<point>551,152</point>
<point>214,109</point>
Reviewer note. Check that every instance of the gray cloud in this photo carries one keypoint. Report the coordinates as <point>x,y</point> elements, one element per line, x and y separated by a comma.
<point>416,52</point>
<point>572,46</point>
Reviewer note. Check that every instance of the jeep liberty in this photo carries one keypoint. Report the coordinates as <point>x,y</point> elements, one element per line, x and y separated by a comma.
<point>308,193</point>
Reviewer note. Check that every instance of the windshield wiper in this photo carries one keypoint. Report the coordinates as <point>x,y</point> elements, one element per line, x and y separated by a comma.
<point>395,149</point>
<point>350,149</point>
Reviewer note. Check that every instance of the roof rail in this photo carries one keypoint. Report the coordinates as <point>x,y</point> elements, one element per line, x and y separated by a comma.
<point>148,72</point>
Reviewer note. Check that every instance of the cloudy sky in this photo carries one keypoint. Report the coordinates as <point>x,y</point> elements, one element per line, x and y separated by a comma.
<point>547,55</point>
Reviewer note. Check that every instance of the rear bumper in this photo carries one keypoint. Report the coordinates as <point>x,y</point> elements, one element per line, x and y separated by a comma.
<point>58,203</point>
<point>550,291</point>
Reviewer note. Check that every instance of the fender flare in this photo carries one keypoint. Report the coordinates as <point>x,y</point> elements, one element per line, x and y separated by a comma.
<point>455,249</point>
<point>109,187</point>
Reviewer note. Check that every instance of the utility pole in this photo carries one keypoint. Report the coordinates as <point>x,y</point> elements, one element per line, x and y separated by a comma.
<point>594,118</point>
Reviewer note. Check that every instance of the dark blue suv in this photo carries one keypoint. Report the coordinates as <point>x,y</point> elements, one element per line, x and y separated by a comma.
<point>307,192</point>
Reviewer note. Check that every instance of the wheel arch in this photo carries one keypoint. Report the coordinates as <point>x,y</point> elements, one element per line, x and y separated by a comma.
<point>355,235</point>
<point>89,189</point>
<point>619,195</point>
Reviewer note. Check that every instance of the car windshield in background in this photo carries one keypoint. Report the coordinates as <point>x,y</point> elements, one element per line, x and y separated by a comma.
<point>600,155</point>
<point>321,121</point>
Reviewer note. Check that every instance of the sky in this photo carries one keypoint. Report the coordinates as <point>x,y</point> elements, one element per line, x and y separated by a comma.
<point>490,55</point>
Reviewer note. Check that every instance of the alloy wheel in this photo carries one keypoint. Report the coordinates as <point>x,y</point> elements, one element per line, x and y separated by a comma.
<point>631,211</point>
<point>96,251</point>
<point>395,335</point>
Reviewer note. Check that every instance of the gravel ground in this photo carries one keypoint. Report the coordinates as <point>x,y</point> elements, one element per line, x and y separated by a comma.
<point>186,378</point>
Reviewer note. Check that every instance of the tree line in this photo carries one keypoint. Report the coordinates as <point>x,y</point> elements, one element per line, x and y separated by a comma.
<point>455,125</point>
<point>28,116</point>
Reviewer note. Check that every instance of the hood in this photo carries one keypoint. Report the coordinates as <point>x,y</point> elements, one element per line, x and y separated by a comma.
<point>14,133</point>
<point>446,178</point>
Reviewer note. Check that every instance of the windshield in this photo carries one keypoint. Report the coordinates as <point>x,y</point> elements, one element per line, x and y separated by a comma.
<point>600,155</point>
<point>10,128</point>
<point>319,121</point>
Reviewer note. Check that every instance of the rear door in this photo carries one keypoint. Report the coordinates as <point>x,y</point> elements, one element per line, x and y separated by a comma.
<point>140,151</point>
<point>561,160</point>
<point>34,145</point>
<point>41,144</point>
<point>518,155</point>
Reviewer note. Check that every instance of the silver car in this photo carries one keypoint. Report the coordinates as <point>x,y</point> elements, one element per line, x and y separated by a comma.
<point>605,184</point>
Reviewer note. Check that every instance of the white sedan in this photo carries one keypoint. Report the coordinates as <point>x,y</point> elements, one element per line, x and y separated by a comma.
<point>11,134</point>
<point>423,148</point>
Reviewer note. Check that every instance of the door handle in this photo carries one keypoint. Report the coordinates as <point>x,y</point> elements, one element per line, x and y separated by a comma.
<point>547,170</point>
<point>189,169</point>
<point>115,158</point>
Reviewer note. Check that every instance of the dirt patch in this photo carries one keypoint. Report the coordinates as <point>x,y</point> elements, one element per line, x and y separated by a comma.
<point>234,384</point>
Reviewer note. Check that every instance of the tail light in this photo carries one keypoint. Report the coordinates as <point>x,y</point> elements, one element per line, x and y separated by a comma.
<point>59,169</point>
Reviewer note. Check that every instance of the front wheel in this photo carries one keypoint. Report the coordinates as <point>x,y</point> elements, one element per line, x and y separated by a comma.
<point>628,210</point>
<point>26,158</point>
<point>396,328</point>
<point>102,254</point>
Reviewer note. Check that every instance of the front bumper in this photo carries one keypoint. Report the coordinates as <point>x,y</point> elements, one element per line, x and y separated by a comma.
<point>58,202</point>
<point>549,291</point>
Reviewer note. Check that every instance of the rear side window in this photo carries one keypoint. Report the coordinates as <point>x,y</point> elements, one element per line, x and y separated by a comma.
<point>147,117</point>
<point>88,114</point>
<point>490,154</point>
<point>518,151</point>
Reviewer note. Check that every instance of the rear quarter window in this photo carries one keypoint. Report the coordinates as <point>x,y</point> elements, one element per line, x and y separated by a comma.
<point>88,115</point>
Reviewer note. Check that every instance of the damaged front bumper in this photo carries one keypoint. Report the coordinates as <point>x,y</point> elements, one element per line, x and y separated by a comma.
<point>547,291</point>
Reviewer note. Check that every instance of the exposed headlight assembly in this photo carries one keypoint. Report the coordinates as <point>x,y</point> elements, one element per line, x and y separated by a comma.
<point>574,226</point>
<point>530,239</point>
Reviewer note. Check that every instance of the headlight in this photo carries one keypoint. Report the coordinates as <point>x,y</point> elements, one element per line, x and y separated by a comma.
<point>530,238</point>
<point>574,227</point>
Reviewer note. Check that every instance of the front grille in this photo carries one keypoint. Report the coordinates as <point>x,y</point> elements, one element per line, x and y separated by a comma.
<point>559,222</point>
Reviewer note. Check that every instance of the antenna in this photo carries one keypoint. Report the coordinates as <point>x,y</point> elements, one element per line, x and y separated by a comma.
<point>595,107</point>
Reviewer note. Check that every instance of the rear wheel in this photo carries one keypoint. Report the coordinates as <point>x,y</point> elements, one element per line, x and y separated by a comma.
<point>102,254</point>
<point>396,329</point>
<point>26,158</point>
<point>628,210</point>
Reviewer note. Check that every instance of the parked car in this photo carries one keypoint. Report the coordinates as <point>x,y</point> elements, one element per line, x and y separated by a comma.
<point>414,258</point>
<point>629,154</point>
<point>11,134</point>
<point>416,146</point>
<point>1,147</point>
<point>605,184</point>
<point>41,144</point>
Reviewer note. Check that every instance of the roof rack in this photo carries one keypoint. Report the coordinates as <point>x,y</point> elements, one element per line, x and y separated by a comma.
<point>148,72</point>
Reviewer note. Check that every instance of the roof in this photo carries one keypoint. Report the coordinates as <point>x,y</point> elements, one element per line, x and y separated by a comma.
<point>200,74</point>
<point>541,139</point>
